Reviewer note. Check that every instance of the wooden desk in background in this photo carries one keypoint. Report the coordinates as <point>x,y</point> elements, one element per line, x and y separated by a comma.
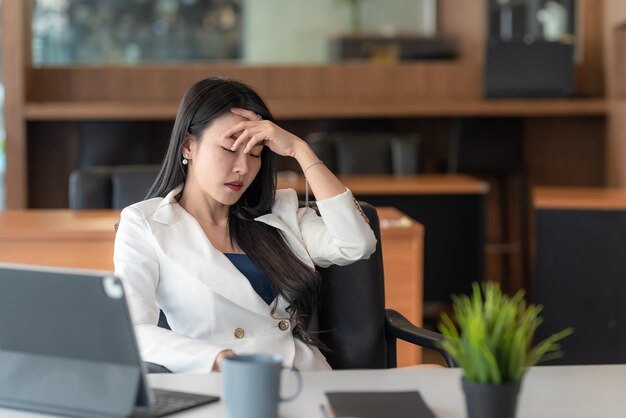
<point>420,184</point>
<point>84,239</point>
<point>402,240</point>
<point>452,209</point>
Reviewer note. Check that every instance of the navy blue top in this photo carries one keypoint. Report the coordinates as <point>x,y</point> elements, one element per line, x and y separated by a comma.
<point>257,278</point>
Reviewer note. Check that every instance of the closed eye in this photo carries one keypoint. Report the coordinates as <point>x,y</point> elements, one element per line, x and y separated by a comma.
<point>231,151</point>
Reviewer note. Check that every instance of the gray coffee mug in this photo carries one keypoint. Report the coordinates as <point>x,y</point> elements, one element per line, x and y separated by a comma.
<point>252,385</point>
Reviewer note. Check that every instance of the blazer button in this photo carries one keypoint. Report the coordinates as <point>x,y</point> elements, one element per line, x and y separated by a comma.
<point>239,333</point>
<point>283,325</point>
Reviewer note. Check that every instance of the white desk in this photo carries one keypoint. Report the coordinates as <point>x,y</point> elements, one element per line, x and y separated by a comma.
<point>550,392</point>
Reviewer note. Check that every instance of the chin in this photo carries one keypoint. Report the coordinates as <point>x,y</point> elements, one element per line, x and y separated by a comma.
<point>228,201</point>
<point>232,199</point>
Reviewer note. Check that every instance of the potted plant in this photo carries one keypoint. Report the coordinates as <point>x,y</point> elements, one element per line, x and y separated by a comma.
<point>493,344</point>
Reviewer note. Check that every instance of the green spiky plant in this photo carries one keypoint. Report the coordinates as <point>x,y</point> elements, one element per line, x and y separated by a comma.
<point>493,341</point>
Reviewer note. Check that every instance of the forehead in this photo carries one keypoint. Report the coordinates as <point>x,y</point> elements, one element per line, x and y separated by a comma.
<point>224,122</point>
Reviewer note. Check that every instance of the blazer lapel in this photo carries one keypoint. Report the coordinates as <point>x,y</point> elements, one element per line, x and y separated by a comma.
<point>294,242</point>
<point>185,244</point>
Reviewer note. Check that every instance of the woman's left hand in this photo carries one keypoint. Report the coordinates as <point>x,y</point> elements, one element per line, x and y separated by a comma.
<point>256,131</point>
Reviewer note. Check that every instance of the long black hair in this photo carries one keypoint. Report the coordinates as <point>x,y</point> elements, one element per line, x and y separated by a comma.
<point>296,282</point>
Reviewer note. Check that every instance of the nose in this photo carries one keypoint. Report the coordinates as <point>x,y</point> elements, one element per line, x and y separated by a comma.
<point>241,163</point>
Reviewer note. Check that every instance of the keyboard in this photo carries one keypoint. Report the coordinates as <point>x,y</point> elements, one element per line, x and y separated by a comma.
<point>168,402</point>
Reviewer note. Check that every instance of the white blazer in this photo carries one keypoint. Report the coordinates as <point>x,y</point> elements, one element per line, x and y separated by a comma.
<point>166,262</point>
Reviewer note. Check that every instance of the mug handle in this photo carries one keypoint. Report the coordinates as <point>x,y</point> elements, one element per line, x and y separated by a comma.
<point>298,390</point>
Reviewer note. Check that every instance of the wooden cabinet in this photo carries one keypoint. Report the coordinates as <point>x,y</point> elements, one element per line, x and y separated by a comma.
<point>579,271</point>
<point>403,262</point>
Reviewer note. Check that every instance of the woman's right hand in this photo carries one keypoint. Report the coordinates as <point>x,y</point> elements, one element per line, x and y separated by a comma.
<point>217,366</point>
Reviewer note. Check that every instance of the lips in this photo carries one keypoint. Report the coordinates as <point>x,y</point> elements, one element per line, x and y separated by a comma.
<point>234,185</point>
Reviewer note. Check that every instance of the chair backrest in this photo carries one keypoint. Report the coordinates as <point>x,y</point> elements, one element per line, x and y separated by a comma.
<point>110,187</point>
<point>487,145</point>
<point>352,309</point>
<point>367,153</point>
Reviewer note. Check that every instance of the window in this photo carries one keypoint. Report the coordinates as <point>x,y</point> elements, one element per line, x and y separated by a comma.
<point>127,32</point>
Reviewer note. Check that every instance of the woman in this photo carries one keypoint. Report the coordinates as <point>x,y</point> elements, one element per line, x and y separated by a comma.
<point>229,259</point>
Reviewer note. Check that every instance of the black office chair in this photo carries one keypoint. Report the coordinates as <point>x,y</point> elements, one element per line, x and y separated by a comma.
<point>367,153</point>
<point>353,321</point>
<point>110,187</point>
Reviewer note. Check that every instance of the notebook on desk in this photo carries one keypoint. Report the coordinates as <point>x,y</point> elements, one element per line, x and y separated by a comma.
<point>67,346</point>
<point>378,404</point>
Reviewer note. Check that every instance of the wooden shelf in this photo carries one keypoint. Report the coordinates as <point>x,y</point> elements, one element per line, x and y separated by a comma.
<point>100,111</point>
<point>289,109</point>
<point>579,198</point>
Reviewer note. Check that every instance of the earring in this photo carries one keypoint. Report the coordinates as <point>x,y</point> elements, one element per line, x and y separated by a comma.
<point>185,160</point>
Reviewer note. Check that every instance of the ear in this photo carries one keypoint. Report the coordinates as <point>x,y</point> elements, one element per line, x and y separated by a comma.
<point>189,146</point>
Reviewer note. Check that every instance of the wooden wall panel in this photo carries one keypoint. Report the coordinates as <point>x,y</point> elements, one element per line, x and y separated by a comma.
<point>619,70</point>
<point>616,145</point>
<point>565,152</point>
<point>465,22</point>
<point>614,17</point>
<point>590,80</point>
<point>350,82</point>
<point>52,155</point>
<point>14,57</point>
